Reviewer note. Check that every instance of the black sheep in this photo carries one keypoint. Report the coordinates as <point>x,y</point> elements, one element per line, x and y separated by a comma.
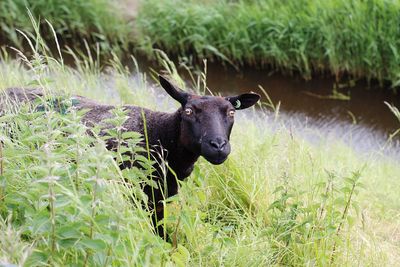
<point>200,127</point>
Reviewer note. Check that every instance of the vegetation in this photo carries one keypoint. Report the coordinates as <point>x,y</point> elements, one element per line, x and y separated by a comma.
<point>338,37</point>
<point>276,201</point>
<point>93,20</point>
<point>360,38</point>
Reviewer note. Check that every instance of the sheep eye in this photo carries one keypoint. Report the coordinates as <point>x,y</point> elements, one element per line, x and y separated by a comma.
<point>188,111</point>
<point>231,113</point>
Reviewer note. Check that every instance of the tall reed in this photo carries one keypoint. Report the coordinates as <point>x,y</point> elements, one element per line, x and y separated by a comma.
<point>94,20</point>
<point>338,37</point>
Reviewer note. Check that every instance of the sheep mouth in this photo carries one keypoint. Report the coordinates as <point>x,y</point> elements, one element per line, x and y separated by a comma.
<point>215,156</point>
<point>217,159</point>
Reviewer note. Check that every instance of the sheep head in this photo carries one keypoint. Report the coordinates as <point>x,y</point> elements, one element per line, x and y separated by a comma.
<point>206,121</point>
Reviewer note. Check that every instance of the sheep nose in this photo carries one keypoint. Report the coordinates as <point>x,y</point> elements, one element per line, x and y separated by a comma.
<point>218,143</point>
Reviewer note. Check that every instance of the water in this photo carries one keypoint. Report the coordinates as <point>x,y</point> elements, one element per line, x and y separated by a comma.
<point>363,122</point>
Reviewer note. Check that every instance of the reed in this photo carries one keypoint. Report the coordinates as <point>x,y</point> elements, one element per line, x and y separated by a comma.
<point>93,20</point>
<point>337,37</point>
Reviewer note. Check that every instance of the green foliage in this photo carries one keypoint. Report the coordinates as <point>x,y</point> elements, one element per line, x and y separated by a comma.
<point>336,36</point>
<point>64,192</point>
<point>95,20</point>
<point>276,201</point>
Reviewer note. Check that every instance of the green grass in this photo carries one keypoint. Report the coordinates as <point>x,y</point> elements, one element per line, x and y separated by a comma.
<point>276,201</point>
<point>338,37</point>
<point>93,20</point>
<point>360,38</point>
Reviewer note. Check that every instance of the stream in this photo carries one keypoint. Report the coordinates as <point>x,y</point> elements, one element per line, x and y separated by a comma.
<point>363,122</point>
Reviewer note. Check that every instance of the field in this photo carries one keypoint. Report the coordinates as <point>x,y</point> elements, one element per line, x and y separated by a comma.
<point>277,200</point>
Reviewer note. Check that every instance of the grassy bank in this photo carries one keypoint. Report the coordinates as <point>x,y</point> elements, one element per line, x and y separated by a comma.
<point>335,36</point>
<point>93,20</point>
<point>338,37</point>
<point>276,201</point>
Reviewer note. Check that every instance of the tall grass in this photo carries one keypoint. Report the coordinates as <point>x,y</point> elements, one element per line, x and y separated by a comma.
<point>276,201</point>
<point>94,20</point>
<point>338,37</point>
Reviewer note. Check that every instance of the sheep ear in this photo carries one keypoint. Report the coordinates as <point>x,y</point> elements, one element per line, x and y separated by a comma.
<point>243,101</point>
<point>174,92</point>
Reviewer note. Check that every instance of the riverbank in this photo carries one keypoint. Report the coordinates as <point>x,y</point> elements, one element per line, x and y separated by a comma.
<point>356,39</point>
<point>338,37</point>
<point>93,21</point>
<point>277,201</point>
